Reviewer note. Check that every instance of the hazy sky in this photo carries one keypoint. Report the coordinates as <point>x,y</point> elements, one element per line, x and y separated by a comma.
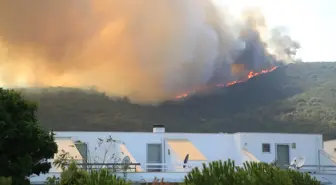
<point>311,22</point>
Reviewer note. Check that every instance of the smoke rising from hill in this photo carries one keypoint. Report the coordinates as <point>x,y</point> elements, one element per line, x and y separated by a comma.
<point>148,50</point>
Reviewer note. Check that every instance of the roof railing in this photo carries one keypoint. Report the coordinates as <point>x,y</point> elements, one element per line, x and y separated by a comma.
<point>115,167</point>
<point>134,167</point>
<point>169,167</point>
<point>317,168</point>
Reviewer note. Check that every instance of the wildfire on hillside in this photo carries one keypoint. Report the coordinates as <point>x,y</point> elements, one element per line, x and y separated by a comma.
<point>148,51</point>
<point>250,75</point>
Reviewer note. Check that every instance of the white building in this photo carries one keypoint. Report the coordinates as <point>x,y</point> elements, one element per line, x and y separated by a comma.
<point>161,154</point>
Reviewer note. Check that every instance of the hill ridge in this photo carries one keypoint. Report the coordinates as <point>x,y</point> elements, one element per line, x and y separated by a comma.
<point>273,102</point>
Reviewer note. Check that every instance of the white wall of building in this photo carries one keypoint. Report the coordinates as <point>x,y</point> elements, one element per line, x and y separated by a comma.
<point>307,145</point>
<point>215,146</point>
<point>212,146</point>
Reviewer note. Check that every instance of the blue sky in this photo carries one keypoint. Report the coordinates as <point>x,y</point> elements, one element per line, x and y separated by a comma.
<point>311,22</point>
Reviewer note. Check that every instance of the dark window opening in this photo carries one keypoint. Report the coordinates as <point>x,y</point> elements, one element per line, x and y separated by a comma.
<point>266,147</point>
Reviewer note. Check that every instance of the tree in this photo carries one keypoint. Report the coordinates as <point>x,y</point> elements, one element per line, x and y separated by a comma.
<point>24,145</point>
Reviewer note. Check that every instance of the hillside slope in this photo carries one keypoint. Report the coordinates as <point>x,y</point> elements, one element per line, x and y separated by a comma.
<point>295,98</point>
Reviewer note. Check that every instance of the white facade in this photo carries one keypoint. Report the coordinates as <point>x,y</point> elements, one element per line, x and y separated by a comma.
<point>253,142</point>
<point>201,147</point>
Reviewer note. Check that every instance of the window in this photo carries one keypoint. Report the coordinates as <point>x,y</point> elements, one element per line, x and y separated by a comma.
<point>294,145</point>
<point>334,149</point>
<point>266,147</point>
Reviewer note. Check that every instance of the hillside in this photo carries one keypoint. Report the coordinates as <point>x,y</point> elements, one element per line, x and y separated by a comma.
<point>295,98</point>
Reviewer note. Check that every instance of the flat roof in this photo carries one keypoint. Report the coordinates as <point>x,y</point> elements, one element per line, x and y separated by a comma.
<point>205,133</point>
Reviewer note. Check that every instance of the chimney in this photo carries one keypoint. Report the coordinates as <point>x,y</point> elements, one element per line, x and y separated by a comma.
<point>158,128</point>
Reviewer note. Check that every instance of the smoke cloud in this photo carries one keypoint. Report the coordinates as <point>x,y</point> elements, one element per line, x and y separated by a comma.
<point>147,50</point>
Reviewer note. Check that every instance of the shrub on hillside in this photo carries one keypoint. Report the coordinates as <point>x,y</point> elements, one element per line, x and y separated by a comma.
<point>227,172</point>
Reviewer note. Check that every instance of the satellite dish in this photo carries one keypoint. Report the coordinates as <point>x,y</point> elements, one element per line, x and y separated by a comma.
<point>126,159</point>
<point>297,163</point>
<point>125,163</point>
<point>300,161</point>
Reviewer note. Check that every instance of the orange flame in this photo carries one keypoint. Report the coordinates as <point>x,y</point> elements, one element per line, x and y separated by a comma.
<point>251,74</point>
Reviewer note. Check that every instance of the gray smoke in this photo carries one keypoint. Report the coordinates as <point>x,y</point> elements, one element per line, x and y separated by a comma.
<point>149,50</point>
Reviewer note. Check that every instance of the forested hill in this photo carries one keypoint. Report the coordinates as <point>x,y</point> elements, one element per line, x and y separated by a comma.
<point>295,98</point>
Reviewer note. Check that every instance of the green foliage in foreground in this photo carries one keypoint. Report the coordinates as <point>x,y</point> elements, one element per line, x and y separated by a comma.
<point>218,173</point>
<point>76,176</point>
<point>24,146</point>
<point>5,181</point>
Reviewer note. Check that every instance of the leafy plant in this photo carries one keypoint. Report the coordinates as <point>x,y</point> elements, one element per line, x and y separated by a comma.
<point>302,178</point>
<point>103,177</point>
<point>73,175</point>
<point>52,181</point>
<point>217,172</point>
<point>160,182</point>
<point>263,173</point>
<point>251,173</point>
<point>77,176</point>
<point>157,181</point>
<point>5,181</point>
<point>33,144</point>
<point>63,159</point>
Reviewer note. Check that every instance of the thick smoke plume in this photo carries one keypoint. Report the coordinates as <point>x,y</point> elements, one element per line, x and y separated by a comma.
<point>148,50</point>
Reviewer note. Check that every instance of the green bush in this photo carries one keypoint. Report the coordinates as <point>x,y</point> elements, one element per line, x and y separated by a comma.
<point>103,177</point>
<point>5,181</point>
<point>301,178</point>
<point>73,175</point>
<point>77,176</point>
<point>218,173</point>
